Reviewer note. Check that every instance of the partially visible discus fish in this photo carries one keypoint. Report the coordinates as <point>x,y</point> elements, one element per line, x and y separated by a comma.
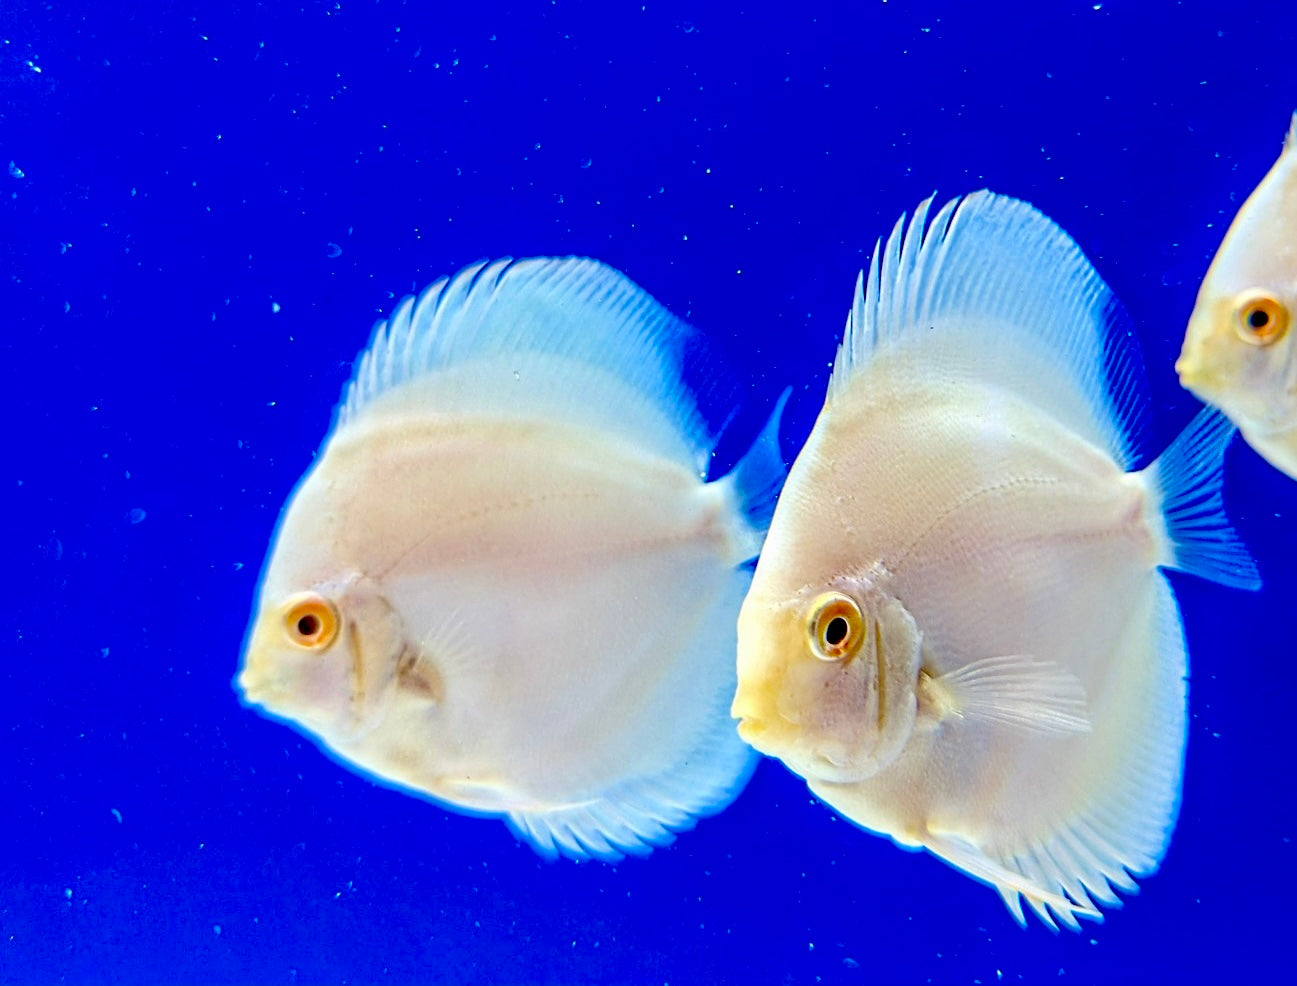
<point>505,583</point>
<point>1238,349</point>
<point>957,632</point>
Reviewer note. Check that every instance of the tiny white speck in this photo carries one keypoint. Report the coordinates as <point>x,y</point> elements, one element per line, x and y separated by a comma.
<point>15,171</point>
<point>274,307</point>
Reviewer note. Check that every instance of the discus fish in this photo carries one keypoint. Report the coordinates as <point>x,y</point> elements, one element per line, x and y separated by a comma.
<point>957,632</point>
<point>504,584</point>
<point>1238,348</point>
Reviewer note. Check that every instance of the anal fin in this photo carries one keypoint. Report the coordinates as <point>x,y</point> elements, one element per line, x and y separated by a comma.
<point>602,829</point>
<point>1011,885</point>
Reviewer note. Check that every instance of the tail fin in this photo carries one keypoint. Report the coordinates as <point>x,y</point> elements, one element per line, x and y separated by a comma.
<point>758,478</point>
<point>1185,483</point>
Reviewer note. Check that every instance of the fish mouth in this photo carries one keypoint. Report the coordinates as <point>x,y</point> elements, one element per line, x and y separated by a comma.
<point>252,687</point>
<point>756,734</point>
<point>1189,369</point>
<point>1193,367</point>
<point>262,692</point>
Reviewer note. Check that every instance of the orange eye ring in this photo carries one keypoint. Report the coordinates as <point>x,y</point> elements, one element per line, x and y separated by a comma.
<point>1260,318</point>
<point>836,627</point>
<point>311,621</point>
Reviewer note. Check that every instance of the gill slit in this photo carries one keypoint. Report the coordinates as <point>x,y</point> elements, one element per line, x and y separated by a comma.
<point>357,666</point>
<point>882,675</point>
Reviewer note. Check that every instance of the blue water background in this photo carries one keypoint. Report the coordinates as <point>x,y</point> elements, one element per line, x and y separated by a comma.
<point>207,207</point>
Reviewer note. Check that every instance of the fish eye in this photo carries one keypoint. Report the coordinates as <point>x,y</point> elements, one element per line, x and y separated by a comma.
<point>311,621</point>
<point>1260,318</point>
<point>836,627</point>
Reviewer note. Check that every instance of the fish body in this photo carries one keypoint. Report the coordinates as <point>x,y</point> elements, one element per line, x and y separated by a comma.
<point>1238,351</point>
<point>504,584</point>
<point>958,632</point>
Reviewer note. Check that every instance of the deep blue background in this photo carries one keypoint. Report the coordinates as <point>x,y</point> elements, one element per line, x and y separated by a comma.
<point>180,170</point>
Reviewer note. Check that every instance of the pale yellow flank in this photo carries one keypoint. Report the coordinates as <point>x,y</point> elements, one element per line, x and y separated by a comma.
<point>1238,349</point>
<point>504,584</point>
<point>958,632</point>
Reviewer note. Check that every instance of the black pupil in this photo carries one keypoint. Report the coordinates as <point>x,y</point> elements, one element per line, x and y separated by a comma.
<point>308,625</point>
<point>836,631</point>
<point>1257,318</point>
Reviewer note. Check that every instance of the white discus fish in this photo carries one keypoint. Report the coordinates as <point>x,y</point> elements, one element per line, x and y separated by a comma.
<point>504,583</point>
<point>957,632</point>
<point>1238,348</point>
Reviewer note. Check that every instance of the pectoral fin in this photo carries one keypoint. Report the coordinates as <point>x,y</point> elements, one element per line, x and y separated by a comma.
<point>1015,690</point>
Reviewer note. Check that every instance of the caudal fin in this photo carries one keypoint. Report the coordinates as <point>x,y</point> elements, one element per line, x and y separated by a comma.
<point>1186,485</point>
<point>759,476</point>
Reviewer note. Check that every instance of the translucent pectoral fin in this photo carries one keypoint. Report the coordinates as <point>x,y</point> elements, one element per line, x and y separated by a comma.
<point>965,856</point>
<point>1014,690</point>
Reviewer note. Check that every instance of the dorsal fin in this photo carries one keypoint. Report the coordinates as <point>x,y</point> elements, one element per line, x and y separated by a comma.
<point>994,291</point>
<point>568,339</point>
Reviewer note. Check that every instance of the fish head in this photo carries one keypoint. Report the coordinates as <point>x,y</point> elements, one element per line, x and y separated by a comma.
<point>323,656</point>
<point>326,639</point>
<point>323,642</point>
<point>1238,348</point>
<point>827,678</point>
<point>1238,351</point>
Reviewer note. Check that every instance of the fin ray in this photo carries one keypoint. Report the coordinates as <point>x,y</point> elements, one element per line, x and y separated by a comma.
<point>566,338</point>
<point>1018,691</point>
<point>704,768</point>
<point>758,479</point>
<point>966,857</point>
<point>1187,503</point>
<point>1123,832</point>
<point>994,290</point>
